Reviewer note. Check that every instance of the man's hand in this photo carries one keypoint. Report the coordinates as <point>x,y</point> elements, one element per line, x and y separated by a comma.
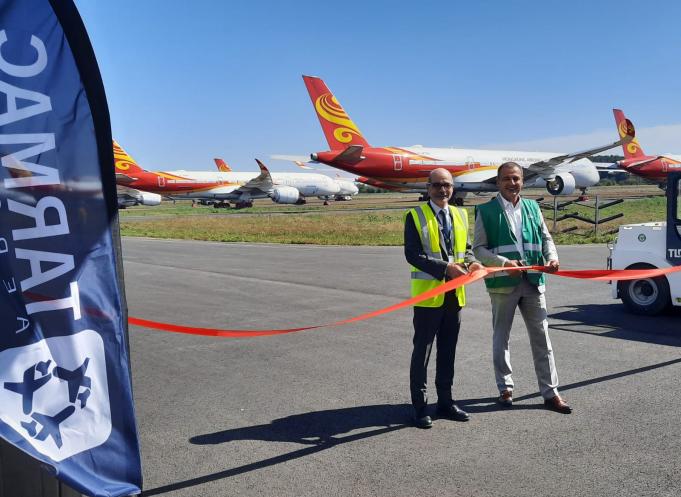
<point>474,266</point>
<point>454,270</point>
<point>552,266</point>
<point>514,263</point>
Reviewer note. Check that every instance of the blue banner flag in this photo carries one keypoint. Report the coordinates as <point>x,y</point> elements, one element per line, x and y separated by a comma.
<point>65,385</point>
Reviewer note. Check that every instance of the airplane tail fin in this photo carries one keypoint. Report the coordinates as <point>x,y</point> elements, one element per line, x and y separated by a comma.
<point>123,162</point>
<point>222,166</point>
<point>632,149</point>
<point>338,128</point>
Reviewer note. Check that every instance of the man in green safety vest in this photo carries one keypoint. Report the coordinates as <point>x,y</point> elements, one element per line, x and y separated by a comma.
<point>510,231</point>
<point>436,245</point>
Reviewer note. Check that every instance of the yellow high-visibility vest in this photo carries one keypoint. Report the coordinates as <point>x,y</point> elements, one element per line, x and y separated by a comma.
<point>429,232</point>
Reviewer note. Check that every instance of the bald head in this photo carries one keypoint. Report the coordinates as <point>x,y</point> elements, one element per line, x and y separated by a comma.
<point>440,174</point>
<point>440,186</point>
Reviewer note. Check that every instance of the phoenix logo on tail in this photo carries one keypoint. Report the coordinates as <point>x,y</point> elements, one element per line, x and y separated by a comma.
<point>633,148</point>
<point>123,161</point>
<point>339,129</point>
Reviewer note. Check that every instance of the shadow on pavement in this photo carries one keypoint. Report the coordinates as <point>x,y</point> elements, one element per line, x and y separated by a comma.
<point>319,430</point>
<point>489,404</point>
<point>613,321</point>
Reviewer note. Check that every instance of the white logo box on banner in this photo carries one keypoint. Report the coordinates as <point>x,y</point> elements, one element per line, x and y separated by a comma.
<point>55,394</point>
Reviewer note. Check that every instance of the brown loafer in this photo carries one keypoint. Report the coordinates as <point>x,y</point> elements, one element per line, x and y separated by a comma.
<point>558,404</point>
<point>506,398</point>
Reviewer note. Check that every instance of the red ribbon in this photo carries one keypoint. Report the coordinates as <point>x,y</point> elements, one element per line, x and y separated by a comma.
<point>584,274</point>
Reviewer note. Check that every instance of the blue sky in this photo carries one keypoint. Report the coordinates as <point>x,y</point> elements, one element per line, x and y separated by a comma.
<point>189,81</point>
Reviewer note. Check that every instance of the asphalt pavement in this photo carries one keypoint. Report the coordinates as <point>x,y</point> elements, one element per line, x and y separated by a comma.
<point>326,411</point>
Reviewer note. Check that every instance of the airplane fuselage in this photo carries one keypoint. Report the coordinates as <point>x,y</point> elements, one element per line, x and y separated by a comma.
<point>222,185</point>
<point>655,170</point>
<point>472,169</point>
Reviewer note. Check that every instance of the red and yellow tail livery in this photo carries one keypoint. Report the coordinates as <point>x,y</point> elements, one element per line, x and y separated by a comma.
<point>123,162</point>
<point>632,150</point>
<point>338,128</point>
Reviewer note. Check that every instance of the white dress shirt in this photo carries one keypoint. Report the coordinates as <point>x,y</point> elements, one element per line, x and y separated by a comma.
<point>514,217</point>
<point>437,210</point>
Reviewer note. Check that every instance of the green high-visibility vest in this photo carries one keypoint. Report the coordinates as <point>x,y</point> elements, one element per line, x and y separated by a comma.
<point>429,232</point>
<point>502,241</point>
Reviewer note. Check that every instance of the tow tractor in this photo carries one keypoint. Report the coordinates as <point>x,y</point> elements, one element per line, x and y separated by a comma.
<point>651,245</point>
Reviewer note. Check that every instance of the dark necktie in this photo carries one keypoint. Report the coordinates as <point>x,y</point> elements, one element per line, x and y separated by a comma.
<point>446,230</point>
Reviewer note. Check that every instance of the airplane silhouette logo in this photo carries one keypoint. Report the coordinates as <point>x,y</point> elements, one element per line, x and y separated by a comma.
<point>37,376</point>
<point>30,384</point>
<point>54,394</point>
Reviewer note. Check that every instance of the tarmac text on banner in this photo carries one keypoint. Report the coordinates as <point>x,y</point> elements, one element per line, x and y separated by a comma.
<point>65,386</point>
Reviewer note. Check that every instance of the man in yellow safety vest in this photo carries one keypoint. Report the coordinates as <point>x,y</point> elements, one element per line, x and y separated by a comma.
<point>436,246</point>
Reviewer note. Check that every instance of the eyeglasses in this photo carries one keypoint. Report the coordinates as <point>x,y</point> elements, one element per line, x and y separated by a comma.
<point>437,186</point>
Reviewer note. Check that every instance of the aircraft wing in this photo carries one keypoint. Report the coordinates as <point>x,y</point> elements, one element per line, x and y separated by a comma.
<point>547,168</point>
<point>124,179</point>
<point>293,158</point>
<point>612,168</point>
<point>262,182</point>
<point>643,162</point>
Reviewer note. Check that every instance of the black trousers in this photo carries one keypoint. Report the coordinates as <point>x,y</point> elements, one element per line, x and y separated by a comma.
<point>430,322</point>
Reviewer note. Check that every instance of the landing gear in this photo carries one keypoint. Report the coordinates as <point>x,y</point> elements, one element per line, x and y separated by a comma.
<point>222,205</point>
<point>301,201</point>
<point>458,201</point>
<point>583,197</point>
<point>326,202</point>
<point>244,204</point>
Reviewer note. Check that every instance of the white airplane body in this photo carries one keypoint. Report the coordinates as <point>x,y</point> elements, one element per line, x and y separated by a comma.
<point>478,177</point>
<point>236,185</point>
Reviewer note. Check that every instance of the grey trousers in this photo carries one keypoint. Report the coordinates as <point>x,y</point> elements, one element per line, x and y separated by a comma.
<point>532,306</point>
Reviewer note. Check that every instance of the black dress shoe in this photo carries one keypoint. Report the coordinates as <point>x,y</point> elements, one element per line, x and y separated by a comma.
<point>453,411</point>
<point>423,421</point>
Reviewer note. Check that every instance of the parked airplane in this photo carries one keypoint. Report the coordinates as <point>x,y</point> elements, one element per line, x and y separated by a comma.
<point>650,167</point>
<point>347,187</point>
<point>298,179</point>
<point>473,170</point>
<point>241,188</point>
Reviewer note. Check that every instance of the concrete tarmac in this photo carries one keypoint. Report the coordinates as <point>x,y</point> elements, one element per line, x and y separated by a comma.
<point>326,411</point>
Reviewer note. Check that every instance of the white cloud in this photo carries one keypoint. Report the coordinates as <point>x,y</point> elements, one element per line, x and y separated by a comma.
<point>655,140</point>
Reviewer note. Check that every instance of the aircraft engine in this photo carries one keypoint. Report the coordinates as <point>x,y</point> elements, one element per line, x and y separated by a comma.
<point>147,198</point>
<point>563,184</point>
<point>136,197</point>
<point>285,195</point>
